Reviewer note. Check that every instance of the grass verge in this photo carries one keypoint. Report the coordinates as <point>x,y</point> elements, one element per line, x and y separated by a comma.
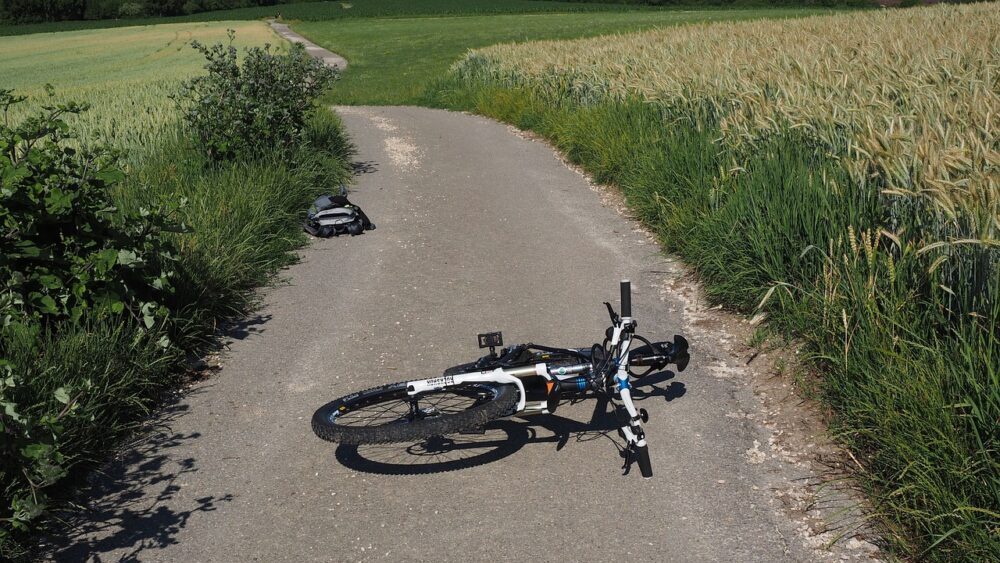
<point>242,221</point>
<point>916,393</point>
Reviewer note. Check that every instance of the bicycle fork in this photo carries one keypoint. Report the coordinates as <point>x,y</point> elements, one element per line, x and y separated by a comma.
<point>636,448</point>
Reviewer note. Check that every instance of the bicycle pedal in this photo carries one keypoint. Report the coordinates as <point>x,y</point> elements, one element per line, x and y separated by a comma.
<point>480,430</point>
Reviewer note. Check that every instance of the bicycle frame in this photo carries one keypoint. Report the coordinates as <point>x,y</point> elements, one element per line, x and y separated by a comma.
<point>616,380</point>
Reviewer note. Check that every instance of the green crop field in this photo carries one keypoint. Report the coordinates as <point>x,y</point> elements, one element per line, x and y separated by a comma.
<point>126,75</point>
<point>393,60</point>
<point>839,175</point>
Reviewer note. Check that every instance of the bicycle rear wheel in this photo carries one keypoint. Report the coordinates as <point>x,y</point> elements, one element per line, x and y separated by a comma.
<point>388,414</point>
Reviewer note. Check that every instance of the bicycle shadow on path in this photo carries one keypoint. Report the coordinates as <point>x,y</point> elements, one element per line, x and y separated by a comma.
<point>501,438</point>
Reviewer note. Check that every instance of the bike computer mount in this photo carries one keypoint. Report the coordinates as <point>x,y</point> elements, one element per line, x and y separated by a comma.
<point>491,340</point>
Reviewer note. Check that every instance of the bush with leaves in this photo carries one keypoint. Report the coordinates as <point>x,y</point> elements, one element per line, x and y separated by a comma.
<point>65,251</point>
<point>241,110</point>
<point>68,259</point>
<point>29,442</point>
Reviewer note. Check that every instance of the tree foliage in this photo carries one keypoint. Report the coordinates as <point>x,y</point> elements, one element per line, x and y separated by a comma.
<point>55,10</point>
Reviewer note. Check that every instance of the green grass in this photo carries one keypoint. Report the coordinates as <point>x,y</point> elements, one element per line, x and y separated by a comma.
<point>915,393</point>
<point>314,11</point>
<point>244,219</point>
<point>126,75</point>
<point>393,60</point>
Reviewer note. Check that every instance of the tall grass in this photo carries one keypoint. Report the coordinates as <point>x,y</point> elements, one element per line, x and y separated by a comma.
<point>242,221</point>
<point>868,230</point>
<point>911,109</point>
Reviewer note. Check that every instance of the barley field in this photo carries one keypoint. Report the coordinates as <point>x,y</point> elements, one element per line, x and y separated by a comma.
<point>126,75</point>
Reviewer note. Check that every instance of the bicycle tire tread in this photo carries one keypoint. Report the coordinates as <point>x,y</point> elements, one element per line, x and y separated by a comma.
<point>393,433</point>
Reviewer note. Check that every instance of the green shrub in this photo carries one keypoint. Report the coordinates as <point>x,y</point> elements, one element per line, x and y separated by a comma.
<point>70,390</point>
<point>65,251</point>
<point>239,111</point>
<point>69,262</point>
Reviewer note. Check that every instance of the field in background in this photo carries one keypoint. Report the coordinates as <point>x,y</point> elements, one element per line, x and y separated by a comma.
<point>317,11</point>
<point>838,174</point>
<point>126,75</point>
<point>394,60</point>
<point>918,123</point>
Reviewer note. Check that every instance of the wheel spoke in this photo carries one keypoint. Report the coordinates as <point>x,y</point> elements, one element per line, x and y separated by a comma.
<point>396,409</point>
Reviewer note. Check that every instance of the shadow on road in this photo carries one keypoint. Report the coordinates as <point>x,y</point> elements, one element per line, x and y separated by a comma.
<point>501,438</point>
<point>120,512</point>
<point>364,167</point>
<point>240,329</point>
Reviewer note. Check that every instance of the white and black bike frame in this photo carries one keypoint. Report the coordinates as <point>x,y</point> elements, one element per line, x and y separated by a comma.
<point>617,380</point>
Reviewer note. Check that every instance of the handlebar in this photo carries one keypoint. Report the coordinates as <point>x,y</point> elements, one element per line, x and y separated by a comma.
<point>654,360</point>
<point>626,290</point>
<point>642,456</point>
<point>658,355</point>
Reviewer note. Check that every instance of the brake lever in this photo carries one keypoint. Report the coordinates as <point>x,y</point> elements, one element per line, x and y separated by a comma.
<point>629,459</point>
<point>615,319</point>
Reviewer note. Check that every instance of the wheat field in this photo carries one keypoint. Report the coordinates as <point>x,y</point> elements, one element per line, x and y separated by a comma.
<point>126,75</point>
<point>838,175</point>
<point>908,98</point>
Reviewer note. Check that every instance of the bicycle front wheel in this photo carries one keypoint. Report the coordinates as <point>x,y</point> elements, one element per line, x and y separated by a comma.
<point>389,414</point>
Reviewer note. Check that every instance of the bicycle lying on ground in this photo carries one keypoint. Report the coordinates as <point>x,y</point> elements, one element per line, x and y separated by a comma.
<point>523,379</point>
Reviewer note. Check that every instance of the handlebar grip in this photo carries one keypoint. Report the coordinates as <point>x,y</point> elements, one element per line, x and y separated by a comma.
<point>642,456</point>
<point>626,287</point>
